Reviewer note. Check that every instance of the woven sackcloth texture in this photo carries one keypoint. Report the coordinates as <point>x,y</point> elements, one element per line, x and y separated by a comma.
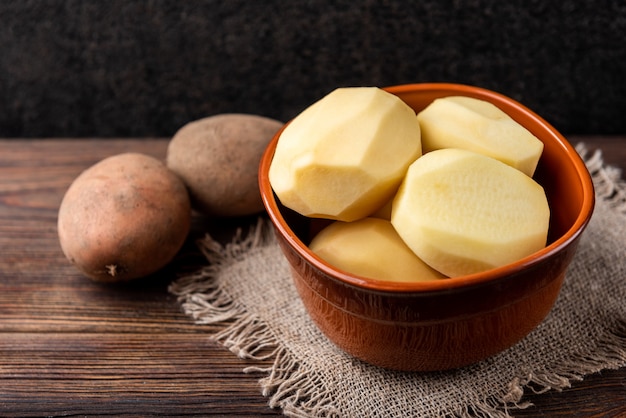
<point>246,285</point>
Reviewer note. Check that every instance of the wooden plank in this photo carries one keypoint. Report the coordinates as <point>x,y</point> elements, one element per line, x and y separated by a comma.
<point>48,374</point>
<point>69,346</point>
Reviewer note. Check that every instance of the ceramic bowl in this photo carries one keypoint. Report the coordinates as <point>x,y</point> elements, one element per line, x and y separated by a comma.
<point>453,322</point>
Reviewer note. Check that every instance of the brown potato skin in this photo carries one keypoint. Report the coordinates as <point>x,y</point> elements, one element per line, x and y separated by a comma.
<point>218,159</point>
<point>124,218</point>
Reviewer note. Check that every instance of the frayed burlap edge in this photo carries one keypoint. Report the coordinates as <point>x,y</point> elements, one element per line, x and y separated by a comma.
<point>302,393</point>
<point>607,180</point>
<point>297,392</point>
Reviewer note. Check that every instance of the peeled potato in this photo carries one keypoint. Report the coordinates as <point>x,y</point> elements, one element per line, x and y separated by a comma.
<point>370,247</point>
<point>477,125</point>
<point>124,218</point>
<point>344,156</point>
<point>463,212</point>
<point>218,159</point>
<point>384,212</point>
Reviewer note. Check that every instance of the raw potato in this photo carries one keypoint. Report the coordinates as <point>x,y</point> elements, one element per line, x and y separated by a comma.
<point>124,218</point>
<point>462,212</point>
<point>370,247</point>
<point>344,156</point>
<point>479,126</point>
<point>385,211</point>
<point>218,159</point>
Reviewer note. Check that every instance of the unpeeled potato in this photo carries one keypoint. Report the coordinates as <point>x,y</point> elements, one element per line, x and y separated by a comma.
<point>218,158</point>
<point>124,218</point>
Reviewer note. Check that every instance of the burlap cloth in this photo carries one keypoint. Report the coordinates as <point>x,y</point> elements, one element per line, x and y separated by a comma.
<point>247,286</point>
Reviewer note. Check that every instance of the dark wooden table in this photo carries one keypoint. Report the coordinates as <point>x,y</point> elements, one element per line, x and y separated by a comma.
<point>69,346</point>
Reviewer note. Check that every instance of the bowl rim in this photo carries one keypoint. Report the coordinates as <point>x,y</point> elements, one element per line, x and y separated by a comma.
<point>580,223</point>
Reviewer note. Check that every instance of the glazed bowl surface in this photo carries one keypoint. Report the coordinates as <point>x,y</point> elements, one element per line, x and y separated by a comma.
<point>449,323</point>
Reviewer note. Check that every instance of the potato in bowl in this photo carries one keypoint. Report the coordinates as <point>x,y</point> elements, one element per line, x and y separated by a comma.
<point>448,323</point>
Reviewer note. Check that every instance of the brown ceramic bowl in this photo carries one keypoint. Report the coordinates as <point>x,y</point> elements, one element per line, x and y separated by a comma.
<point>452,322</point>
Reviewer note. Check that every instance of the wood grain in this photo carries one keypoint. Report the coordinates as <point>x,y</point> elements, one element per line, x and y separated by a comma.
<point>70,346</point>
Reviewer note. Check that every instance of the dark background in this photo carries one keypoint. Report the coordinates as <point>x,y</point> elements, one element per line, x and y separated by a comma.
<point>113,68</point>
